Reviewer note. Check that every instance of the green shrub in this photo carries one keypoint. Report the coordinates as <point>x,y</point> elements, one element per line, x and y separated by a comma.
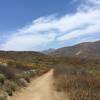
<point>2,78</point>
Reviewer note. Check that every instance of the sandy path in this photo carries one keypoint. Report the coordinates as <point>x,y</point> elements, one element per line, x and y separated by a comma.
<point>39,89</point>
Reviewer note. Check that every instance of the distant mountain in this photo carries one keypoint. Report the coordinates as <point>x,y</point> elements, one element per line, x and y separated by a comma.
<point>48,51</point>
<point>82,50</point>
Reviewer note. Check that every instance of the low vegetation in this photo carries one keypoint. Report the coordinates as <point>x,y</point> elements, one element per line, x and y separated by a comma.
<point>17,72</point>
<point>79,78</point>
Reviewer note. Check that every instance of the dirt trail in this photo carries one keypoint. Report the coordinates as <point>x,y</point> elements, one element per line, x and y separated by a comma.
<point>39,89</point>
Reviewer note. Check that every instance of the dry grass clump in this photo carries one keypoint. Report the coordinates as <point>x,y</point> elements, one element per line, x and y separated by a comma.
<point>3,95</point>
<point>79,82</point>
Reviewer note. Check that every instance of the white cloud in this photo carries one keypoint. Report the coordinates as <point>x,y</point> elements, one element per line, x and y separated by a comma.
<point>28,42</point>
<point>97,2</point>
<point>93,29</point>
<point>89,4</point>
<point>45,30</point>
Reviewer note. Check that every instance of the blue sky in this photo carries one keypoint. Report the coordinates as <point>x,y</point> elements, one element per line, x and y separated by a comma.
<point>42,24</point>
<point>18,13</point>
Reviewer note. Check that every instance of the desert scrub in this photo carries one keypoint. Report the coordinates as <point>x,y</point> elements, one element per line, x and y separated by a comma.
<point>78,81</point>
<point>10,87</point>
<point>2,78</point>
<point>3,95</point>
<point>83,95</point>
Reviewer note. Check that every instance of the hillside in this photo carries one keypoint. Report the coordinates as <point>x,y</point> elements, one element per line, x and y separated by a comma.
<point>27,56</point>
<point>82,50</point>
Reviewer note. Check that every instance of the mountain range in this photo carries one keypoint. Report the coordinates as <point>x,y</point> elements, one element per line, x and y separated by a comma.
<point>82,50</point>
<point>48,51</point>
